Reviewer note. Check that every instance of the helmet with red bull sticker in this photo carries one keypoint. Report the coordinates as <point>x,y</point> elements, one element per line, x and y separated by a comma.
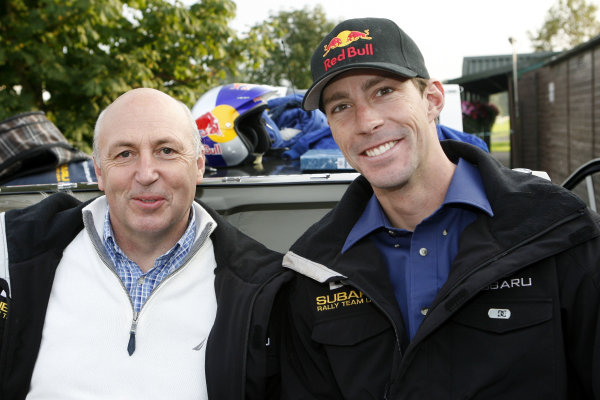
<point>233,123</point>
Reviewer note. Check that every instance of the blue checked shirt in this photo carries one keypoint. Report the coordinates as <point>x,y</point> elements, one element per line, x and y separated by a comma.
<point>139,285</point>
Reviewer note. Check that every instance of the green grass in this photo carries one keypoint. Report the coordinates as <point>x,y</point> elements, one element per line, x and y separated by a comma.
<point>500,147</point>
<point>501,135</point>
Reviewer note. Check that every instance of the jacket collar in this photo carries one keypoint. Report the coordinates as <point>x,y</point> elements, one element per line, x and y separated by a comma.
<point>525,206</point>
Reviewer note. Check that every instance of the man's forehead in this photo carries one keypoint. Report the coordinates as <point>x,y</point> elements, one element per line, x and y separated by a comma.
<point>140,136</point>
<point>135,125</point>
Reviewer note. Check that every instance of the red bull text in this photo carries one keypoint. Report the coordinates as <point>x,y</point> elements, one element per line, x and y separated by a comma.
<point>350,52</point>
<point>213,151</point>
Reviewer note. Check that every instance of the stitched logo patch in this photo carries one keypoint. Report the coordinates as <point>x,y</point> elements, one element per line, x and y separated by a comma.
<point>3,309</point>
<point>334,301</point>
<point>499,313</point>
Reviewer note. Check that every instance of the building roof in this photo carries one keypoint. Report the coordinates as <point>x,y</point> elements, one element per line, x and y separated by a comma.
<point>487,75</point>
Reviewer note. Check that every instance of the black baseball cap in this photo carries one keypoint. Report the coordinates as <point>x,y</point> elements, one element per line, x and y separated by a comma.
<point>375,43</point>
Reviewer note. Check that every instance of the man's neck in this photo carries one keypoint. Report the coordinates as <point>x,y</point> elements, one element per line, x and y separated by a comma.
<point>144,252</point>
<point>145,249</point>
<point>410,204</point>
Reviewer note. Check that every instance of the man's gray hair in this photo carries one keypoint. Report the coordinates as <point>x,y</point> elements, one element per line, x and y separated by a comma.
<point>193,130</point>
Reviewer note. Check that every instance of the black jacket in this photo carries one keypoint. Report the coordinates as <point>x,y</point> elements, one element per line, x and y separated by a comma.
<point>518,318</point>
<point>239,364</point>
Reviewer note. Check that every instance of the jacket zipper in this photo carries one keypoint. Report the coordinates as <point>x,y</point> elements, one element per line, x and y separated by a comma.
<point>133,330</point>
<point>131,343</point>
<point>247,330</point>
<point>389,317</point>
<point>136,314</point>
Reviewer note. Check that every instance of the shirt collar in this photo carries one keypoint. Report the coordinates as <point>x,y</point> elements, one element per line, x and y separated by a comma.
<point>185,240</point>
<point>466,187</point>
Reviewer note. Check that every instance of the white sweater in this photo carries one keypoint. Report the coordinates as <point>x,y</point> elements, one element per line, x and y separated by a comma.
<point>83,353</point>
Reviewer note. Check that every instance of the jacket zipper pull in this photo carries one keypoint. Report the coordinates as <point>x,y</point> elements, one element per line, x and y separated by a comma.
<point>131,344</point>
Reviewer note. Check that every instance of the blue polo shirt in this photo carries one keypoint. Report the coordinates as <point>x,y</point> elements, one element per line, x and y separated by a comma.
<point>419,262</point>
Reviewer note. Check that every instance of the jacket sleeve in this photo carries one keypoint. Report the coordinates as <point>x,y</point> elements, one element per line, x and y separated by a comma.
<point>4,271</point>
<point>580,307</point>
<point>4,292</point>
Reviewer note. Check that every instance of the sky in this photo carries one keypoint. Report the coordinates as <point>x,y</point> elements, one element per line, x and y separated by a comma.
<point>445,30</point>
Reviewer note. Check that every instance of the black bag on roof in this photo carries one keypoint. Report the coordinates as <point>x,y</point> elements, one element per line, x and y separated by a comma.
<point>30,143</point>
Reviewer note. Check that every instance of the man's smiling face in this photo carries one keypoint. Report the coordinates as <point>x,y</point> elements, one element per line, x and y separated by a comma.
<point>147,165</point>
<point>381,124</point>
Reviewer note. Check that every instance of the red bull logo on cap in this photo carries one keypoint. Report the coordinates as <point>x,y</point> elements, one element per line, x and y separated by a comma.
<point>343,39</point>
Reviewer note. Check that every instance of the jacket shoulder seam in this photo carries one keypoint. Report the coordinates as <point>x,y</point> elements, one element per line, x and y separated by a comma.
<point>311,269</point>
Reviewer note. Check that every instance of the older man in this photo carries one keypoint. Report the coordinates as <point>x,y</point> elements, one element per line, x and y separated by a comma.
<point>440,274</point>
<point>142,292</point>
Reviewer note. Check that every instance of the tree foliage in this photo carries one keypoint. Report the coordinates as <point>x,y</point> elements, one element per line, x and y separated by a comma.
<point>71,58</point>
<point>567,24</point>
<point>290,37</point>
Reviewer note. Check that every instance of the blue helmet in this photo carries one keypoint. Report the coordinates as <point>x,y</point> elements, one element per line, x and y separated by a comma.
<point>233,123</point>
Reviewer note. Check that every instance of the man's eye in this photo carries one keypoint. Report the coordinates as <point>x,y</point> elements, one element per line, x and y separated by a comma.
<point>338,108</point>
<point>124,154</point>
<point>384,91</point>
<point>166,150</point>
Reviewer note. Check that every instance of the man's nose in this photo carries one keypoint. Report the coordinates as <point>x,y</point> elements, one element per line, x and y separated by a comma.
<point>147,169</point>
<point>368,118</point>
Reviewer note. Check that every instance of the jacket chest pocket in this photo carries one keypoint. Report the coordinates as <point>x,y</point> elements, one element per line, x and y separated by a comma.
<point>504,316</point>
<point>360,349</point>
<point>511,346</point>
<point>349,330</point>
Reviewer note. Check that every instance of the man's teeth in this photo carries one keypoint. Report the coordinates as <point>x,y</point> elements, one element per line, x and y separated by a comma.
<point>380,149</point>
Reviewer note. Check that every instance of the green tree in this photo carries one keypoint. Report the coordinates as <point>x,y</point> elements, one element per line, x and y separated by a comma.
<point>289,38</point>
<point>567,24</point>
<point>71,58</point>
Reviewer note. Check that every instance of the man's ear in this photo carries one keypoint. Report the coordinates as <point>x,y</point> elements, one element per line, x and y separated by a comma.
<point>98,172</point>
<point>200,162</point>
<point>435,98</point>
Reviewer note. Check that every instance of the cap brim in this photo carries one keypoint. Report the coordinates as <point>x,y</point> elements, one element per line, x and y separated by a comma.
<point>312,97</point>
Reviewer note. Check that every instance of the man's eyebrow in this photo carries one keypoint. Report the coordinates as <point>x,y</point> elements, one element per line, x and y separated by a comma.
<point>119,144</point>
<point>342,94</point>
<point>339,95</point>
<point>128,143</point>
<point>374,81</point>
<point>168,141</point>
